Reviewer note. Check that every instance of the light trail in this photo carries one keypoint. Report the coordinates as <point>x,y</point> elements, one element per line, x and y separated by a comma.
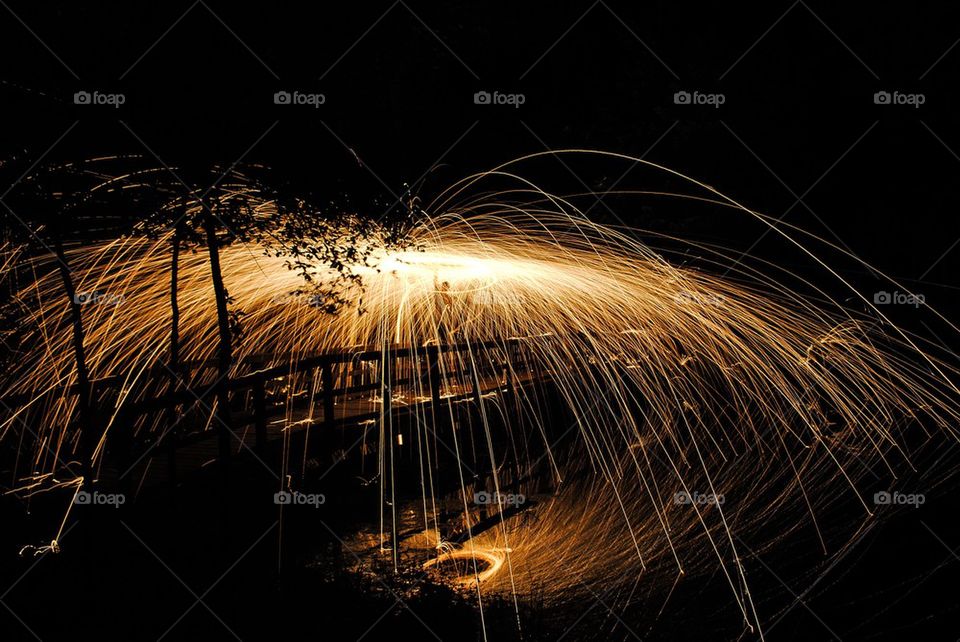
<point>683,383</point>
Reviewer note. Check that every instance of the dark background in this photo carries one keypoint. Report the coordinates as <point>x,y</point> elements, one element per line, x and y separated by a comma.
<point>799,135</point>
<point>399,80</point>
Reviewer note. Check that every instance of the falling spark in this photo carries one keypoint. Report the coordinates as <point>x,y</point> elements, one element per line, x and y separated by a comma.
<point>683,384</point>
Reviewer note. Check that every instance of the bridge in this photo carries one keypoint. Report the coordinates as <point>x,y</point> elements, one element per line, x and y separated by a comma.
<point>166,439</point>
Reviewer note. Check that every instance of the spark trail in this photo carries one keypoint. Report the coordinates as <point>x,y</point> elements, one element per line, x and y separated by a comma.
<point>708,409</point>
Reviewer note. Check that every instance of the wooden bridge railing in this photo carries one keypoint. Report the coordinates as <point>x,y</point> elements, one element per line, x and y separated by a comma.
<point>462,369</point>
<point>450,373</point>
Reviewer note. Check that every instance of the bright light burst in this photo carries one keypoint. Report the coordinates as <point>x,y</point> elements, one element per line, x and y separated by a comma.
<point>709,410</point>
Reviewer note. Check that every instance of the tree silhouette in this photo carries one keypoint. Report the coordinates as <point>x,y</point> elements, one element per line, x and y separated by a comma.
<point>42,218</point>
<point>228,209</point>
<point>317,244</point>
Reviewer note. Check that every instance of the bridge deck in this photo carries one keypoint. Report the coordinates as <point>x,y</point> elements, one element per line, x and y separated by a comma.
<point>356,416</point>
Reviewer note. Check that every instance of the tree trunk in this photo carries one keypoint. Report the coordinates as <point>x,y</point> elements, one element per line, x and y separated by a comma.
<point>175,306</point>
<point>225,356</point>
<point>88,436</point>
<point>174,365</point>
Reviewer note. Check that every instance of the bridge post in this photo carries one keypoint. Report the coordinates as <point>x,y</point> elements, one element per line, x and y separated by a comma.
<point>433,373</point>
<point>475,377</point>
<point>326,377</point>
<point>386,389</point>
<point>509,383</point>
